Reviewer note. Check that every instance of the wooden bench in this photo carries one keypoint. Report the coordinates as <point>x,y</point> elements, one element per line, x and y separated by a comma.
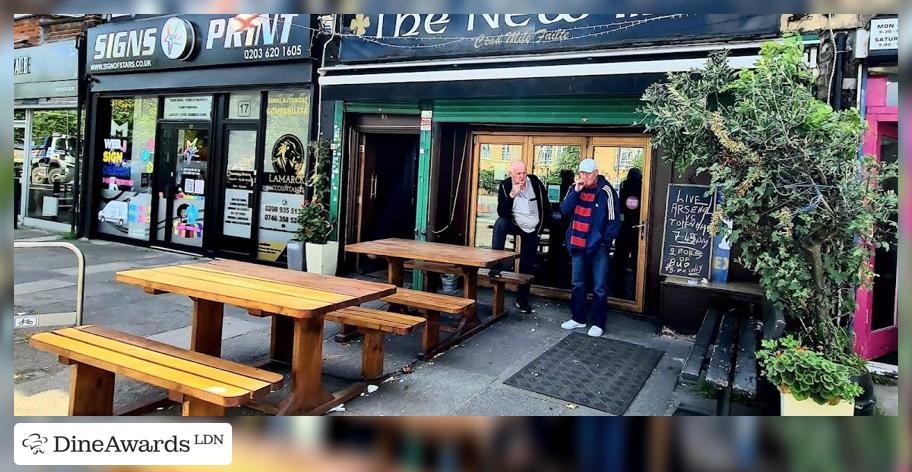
<point>430,306</point>
<point>724,355</point>
<point>498,283</point>
<point>374,324</point>
<point>500,286</point>
<point>205,384</point>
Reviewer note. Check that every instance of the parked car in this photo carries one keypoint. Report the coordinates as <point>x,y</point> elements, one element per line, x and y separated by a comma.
<point>55,160</point>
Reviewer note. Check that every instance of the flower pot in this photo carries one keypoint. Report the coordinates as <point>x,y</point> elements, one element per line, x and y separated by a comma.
<point>790,406</point>
<point>865,403</point>
<point>295,255</point>
<point>322,258</point>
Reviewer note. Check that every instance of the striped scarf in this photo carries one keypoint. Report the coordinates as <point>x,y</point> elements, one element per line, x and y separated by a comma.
<point>582,217</point>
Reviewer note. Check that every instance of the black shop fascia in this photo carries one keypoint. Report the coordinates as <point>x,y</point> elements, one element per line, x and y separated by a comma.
<point>198,126</point>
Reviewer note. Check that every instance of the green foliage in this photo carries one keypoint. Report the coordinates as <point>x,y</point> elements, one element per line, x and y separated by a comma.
<point>807,212</point>
<point>313,221</point>
<point>487,182</point>
<point>806,373</point>
<point>706,389</point>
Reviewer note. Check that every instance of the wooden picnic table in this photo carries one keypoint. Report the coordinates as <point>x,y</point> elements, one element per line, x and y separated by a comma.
<point>297,302</point>
<point>468,259</point>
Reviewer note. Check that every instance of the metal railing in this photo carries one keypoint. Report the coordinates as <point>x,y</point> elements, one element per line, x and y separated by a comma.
<point>56,319</point>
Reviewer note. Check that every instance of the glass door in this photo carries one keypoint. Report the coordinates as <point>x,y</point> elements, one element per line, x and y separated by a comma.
<point>183,184</point>
<point>239,198</point>
<point>624,161</point>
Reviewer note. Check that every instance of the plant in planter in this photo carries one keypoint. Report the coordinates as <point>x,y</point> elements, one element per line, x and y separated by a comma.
<point>807,212</point>
<point>313,221</point>
<point>807,379</point>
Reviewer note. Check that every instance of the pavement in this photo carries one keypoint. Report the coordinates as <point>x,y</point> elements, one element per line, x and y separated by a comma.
<point>466,380</point>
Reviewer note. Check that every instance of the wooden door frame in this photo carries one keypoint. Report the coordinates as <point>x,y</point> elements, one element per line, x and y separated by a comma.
<point>589,142</point>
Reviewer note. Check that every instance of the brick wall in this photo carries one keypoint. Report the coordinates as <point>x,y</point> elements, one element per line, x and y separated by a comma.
<point>40,29</point>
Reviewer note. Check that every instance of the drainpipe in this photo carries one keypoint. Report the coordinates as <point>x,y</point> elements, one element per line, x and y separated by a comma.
<point>839,59</point>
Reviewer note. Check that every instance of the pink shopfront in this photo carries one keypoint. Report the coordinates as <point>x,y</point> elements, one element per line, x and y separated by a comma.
<point>877,316</point>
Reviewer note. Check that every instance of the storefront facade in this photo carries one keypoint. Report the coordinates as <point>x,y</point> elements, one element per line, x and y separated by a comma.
<point>199,126</point>
<point>47,133</point>
<point>877,315</point>
<point>426,112</point>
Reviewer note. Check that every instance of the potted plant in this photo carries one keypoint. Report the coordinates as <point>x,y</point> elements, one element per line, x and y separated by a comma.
<point>809,384</point>
<point>313,221</point>
<point>807,212</point>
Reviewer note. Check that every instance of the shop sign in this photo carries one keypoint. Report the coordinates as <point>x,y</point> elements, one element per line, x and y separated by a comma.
<point>884,34</point>
<point>45,71</point>
<point>188,108</point>
<point>372,37</point>
<point>196,41</point>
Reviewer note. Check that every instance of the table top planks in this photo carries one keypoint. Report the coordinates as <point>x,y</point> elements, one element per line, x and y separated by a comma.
<point>432,252</point>
<point>258,288</point>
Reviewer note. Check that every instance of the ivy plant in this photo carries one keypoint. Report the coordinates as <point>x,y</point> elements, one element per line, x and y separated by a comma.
<point>805,373</point>
<point>313,221</point>
<point>808,212</point>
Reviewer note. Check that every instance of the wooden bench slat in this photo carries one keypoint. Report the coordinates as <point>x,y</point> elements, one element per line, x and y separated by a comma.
<point>241,297</point>
<point>256,284</point>
<point>270,377</point>
<point>149,372</point>
<point>720,362</point>
<point>202,370</point>
<point>375,320</point>
<point>694,363</point>
<point>507,277</point>
<point>429,301</point>
<point>436,267</point>
<point>745,376</point>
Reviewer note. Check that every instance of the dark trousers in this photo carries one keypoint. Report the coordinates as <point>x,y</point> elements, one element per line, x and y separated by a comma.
<point>591,270</point>
<point>527,251</point>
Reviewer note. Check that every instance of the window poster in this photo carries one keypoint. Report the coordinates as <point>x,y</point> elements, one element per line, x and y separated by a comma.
<point>127,162</point>
<point>283,188</point>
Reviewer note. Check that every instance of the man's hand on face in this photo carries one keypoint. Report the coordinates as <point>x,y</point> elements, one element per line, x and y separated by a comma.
<point>517,188</point>
<point>579,183</point>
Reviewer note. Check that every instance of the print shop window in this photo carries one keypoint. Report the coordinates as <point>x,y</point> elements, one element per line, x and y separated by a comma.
<point>127,160</point>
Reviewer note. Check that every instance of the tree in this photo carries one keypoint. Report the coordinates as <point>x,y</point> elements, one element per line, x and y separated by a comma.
<point>807,211</point>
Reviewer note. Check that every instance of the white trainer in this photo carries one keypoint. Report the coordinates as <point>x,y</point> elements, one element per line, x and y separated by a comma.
<point>571,324</point>
<point>595,331</point>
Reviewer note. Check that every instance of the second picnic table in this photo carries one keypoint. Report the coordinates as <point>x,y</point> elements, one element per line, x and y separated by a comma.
<point>467,259</point>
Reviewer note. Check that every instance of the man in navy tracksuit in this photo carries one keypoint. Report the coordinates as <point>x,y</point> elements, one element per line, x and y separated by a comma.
<point>595,209</point>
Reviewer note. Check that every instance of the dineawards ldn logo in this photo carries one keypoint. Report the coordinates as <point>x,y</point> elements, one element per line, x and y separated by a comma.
<point>122,443</point>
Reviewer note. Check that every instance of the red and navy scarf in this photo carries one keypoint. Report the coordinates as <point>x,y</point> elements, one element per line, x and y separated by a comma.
<point>582,217</point>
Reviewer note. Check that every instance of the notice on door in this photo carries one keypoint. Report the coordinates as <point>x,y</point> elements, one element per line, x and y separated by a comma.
<point>238,214</point>
<point>687,245</point>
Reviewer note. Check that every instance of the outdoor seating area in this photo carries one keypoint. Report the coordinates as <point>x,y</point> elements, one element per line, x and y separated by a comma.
<point>299,304</point>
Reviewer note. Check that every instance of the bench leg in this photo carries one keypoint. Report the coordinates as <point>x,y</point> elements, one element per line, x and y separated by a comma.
<point>372,355</point>
<point>91,391</point>
<point>500,289</point>
<point>206,333</point>
<point>197,407</point>
<point>470,291</point>
<point>431,335</point>
<point>394,271</point>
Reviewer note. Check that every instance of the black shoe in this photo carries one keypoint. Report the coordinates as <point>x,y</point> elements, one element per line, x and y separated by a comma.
<point>525,308</point>
<point>494,273</point>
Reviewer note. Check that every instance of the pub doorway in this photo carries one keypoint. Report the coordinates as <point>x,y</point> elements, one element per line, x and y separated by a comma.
<point>387,186</point>
<point>553,157</point>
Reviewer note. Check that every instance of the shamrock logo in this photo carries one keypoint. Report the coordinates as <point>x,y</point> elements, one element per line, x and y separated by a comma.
<point>359,24</point>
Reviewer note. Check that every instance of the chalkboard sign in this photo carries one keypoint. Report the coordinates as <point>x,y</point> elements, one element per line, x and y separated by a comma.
<point>687,245</point>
